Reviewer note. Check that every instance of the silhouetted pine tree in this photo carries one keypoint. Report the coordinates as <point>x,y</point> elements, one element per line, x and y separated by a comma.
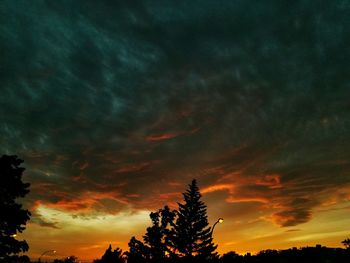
<point>192,233</point>
<point>12,216</point>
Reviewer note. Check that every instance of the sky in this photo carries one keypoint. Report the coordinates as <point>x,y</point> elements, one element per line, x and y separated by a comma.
<point>115,106</point>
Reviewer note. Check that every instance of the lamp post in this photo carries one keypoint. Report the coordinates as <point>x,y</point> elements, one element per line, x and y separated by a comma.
<point>45,252</point>
<point>220,220</point>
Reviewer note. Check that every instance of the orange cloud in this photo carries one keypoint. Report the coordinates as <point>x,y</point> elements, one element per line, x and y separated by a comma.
<point>271,181</point>
<point>87,201</point>
<point>217,187</point>
<point>232,199</point>
<point>161,137</point>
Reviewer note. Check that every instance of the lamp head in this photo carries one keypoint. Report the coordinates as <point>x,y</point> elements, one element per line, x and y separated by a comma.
<point>220,220</point>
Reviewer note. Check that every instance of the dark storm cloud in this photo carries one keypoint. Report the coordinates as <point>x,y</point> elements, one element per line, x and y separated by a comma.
<point>121,100</point>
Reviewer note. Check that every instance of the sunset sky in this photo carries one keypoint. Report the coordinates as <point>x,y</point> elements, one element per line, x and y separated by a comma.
<point>115,107</point>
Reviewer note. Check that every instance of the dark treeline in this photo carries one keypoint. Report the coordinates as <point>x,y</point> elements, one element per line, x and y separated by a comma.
<point>318,254</point>
<point>181,235</point>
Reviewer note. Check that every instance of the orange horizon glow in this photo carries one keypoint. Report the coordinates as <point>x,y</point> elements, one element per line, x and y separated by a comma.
<point>87,237</point>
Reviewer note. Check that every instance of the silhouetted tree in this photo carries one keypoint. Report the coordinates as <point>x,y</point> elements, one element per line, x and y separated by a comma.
<point>168,228</point>
<point>230,257</point>
<point>346,243</point>
<point>110,256</point>
<point>70,259</point>
<point>192,233</point>
<point>18,259</point>
<point>158,237</point>
<point>12,217</point>
<point>138,252</point>
<point>154,238</point>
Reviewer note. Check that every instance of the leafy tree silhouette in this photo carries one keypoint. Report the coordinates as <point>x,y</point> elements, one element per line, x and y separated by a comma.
<point>110,256</point>
<point>138,252</point>
<point>192,236</point>
<point>12,217</point>
<point>153,238</point>
<point>346,243</point>
<point>159,236</point>
<point>168,225</point>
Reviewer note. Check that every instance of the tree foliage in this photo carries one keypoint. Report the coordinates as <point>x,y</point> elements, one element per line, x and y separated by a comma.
<point>346,243</point>
<point>159,236</point>
<point>192,232</point>
<point>111,256</point>
<point>13,217</point>
<point>138,252</point>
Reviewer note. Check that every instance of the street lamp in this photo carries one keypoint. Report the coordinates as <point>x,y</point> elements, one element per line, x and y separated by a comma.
<point>220,220</point>
<point>44,253</point>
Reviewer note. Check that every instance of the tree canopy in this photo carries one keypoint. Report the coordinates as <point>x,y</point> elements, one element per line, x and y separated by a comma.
<point>346,243</point>
<point>111,256</point>
<point>13,217</point>
<point>192,232</point>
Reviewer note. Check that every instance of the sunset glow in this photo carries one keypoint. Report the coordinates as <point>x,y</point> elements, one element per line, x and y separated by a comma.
<point>116,107</point>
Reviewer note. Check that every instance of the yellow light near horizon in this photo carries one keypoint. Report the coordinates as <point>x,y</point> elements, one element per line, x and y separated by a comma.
<point>221,220</point>
<point>85,235</point>
<point>71,221</point>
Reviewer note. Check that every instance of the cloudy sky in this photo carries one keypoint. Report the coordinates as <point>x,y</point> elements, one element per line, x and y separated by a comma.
<point>115,106</point>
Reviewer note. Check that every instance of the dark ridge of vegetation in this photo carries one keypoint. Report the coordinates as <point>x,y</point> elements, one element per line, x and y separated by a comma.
<point>317,254</point>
